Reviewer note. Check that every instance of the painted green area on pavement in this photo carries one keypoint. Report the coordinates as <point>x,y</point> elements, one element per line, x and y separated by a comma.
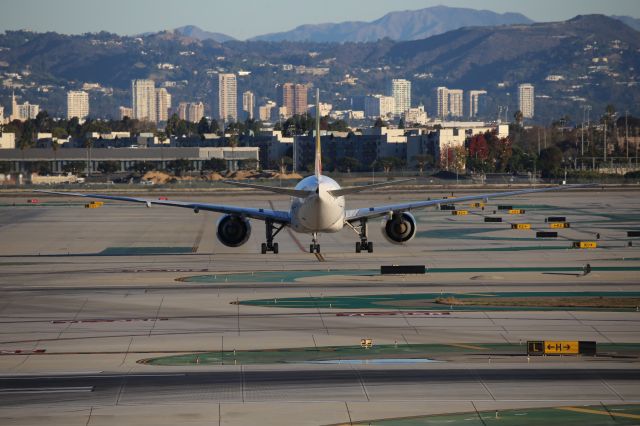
<point>132,251</point>
<point>292,276</point>
<point>592,415</point>
<point>323,353</point>
<point>427,301</point>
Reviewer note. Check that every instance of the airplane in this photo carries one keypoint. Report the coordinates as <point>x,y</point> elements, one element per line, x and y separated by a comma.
<point>317,206</point>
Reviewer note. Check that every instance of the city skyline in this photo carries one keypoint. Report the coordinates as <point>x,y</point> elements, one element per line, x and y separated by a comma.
<point>149,16</point>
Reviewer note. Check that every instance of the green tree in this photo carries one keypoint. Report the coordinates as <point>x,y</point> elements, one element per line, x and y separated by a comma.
<point>203,126</point>
<point>285,161</point>
<point>338,126</point>
<point>550,161</point>
<point>379,123</point>
<point>389,163</point>
<point>519,117</point>
<point>59,133</point>
<point>423,160</point>
<point>348,164</point>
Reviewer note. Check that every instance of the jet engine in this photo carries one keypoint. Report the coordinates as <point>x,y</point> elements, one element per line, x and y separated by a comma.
<point>399,228</point>
<point>233,231</point>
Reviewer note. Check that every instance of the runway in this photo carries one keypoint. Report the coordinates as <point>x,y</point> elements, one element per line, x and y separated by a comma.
<point>85,295</point>
<point>252,384</point>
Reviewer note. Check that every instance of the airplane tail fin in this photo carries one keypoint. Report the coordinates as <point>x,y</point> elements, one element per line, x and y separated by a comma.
<point>318,166</point>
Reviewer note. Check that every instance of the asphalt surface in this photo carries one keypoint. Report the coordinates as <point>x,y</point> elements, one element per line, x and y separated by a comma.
<point>246,385</point>
<point>87,293</point>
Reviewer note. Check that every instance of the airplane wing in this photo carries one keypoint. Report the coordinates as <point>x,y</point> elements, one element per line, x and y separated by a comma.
<point>299,193</point>
<point>377,211</point>
<point>355,189</point>
<point>261,214</point>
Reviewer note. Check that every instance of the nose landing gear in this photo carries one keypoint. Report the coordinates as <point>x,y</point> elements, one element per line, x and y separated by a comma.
<point>314,247</point>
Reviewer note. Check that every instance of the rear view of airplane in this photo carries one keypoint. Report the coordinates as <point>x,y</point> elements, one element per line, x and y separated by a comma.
<point>317,206</point>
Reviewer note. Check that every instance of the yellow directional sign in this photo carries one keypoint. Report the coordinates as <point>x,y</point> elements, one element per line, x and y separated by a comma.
<point>366,343</point>
<point>561,347</point>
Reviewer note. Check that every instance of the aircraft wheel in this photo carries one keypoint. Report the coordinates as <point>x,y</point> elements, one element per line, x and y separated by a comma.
<point>370,247</point>
<point>358,248</point>
<point>275,248</point>
<point>264,248</point>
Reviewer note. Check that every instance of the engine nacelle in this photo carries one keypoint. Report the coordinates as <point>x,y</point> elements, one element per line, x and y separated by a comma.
<point>400,228</point>
<point>233,231</point>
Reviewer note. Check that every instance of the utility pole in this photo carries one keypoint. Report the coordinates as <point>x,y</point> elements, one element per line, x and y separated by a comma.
<point>626,132</point>
<point>605,141</point>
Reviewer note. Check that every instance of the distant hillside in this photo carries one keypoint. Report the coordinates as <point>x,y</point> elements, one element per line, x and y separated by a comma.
<point>632,22</point>
<point>198,33</point>
<point>594,59</point>
<point>520,52</point>
<point>405,25</point>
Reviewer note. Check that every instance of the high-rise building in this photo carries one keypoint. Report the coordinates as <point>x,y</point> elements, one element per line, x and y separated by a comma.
<point>474,101</point>
<point>143,93</point>
<point>526,100</point>
<point>293,97</point>
<point>443,102</point>
<point>449,102</point>
<point>400,90</point>
<point>77,105</point>
<point>225,97</point>
<point>264,111</point>
<point>456,102</point>
<point>23,112</point>
<point>379,106</point>
<point>248,103</point>
<point>415,115</point>
<point>285,97</point>
<point>195,112</point>
<point>182,110</point>
<point>125,112</point>
<point>163,103</point>
<point>300,105</point>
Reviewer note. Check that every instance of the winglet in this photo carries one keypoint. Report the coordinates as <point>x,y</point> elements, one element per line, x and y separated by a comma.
<point>318,168</point>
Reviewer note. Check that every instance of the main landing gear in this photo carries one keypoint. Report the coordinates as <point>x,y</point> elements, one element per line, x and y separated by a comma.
<point>314,247</point>
<point>271,231</point>
<point>361,230</point>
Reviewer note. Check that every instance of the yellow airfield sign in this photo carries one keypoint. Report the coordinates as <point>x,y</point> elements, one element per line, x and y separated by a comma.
<point>561,347</point>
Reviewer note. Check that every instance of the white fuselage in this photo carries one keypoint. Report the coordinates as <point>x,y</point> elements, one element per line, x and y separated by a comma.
<point>320,211</point>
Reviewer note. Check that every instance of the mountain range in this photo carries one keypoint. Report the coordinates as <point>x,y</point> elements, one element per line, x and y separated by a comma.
<point>399,26</point>
<point>593,59</point>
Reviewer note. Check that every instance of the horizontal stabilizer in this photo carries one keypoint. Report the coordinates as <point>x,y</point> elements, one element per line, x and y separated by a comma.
<point>355,189</point>
<point>298,193</point>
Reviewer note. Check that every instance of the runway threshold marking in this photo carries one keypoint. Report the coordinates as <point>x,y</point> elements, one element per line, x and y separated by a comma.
<point>603,413</point>
<point>459,345</point>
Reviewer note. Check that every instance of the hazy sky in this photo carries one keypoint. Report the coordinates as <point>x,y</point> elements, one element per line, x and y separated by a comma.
<point>243,19</point>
